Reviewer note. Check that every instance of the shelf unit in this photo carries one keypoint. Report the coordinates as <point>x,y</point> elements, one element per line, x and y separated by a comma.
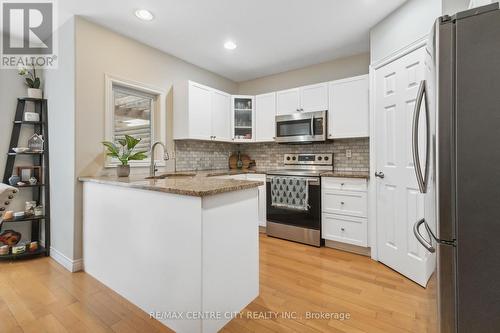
<point>41,191</point>
<point>243,118</point>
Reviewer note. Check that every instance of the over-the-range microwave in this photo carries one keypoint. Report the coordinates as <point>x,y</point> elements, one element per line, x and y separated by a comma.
<point>301,127</point>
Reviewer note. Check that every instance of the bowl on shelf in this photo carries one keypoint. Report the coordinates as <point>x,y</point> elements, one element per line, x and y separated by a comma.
<point>20,149</point>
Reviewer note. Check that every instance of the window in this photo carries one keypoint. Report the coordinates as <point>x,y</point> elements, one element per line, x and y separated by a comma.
<point>135,110</point>
<point>132,115</point>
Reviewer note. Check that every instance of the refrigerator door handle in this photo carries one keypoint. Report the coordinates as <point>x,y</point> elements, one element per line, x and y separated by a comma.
<point>421,179</point>
<point>428,246</point>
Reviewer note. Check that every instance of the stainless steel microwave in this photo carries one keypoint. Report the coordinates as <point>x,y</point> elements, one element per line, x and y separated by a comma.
<point>301,127</point>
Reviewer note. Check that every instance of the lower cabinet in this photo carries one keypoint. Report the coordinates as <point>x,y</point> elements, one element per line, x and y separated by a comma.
<point>345,229</point>
<point>262,197</point>
<point>345,210</point>
<point>262,192</point>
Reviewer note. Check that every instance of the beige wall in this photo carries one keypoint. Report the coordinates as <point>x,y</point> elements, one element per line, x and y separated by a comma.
<point>328,71</point>
<point>100,51</point>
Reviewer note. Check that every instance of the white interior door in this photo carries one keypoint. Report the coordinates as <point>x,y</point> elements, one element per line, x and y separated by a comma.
<point>221,116</point>
<point>399,202</point>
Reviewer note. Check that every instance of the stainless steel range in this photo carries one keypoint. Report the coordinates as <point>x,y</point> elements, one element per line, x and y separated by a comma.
<point>294,198</point>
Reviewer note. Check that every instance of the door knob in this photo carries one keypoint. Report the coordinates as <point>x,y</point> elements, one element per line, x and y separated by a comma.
<point>380,175</point>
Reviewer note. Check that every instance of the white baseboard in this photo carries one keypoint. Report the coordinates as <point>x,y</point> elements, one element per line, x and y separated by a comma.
<point>71,265</point>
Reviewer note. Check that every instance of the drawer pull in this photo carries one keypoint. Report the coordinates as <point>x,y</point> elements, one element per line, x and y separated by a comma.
<point>342,202</point>
<point>342,184</point>
<point>342,229</point>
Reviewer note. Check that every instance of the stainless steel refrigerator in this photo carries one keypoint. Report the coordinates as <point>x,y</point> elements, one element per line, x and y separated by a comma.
<point>457,165</point>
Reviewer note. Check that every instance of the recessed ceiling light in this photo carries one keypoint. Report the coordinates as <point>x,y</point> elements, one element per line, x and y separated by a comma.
<point>229,45</point>
<point>144,14</point>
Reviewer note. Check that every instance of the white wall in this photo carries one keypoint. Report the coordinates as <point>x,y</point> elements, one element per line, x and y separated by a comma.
<point>100,51</point>
<point>60,92</point>
<point>409,22</point>
<point>328,71</point>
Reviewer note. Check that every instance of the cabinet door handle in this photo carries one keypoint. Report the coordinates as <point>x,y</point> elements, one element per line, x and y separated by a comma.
<point>380,175</point>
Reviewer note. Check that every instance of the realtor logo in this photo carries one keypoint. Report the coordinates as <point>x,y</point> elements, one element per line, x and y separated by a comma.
<point>28,34</point>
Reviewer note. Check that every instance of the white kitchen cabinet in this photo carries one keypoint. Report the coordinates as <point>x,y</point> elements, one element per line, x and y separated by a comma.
<point>205,116</point>
<point>221,118</point>
<point>314,97</point>
<point>262,196</point>
<point>265,117</point>
<point>262,191</point>
<point>200,113</point>
<point>287,101</point>
<point>344,210</point>
<point>302,99</point>
<point>243,118</point>
<point>348,111</point>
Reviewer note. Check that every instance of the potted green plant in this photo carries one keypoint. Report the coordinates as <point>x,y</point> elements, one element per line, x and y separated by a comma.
<point>124,153</point>
<point>32,81</point>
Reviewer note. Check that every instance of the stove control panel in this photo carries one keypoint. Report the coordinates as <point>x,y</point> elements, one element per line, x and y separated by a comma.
<point>308,159</point>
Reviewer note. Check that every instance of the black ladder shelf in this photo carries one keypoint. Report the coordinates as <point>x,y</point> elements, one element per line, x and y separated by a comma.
<point>40,191</point>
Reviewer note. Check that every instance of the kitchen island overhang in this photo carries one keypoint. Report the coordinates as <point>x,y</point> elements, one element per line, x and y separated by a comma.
<point>190,261</point>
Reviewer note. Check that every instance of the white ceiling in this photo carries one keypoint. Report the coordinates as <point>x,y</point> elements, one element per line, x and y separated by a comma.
<point>272,35</point>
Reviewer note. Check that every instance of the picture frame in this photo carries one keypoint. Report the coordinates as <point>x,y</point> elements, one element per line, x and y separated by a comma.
<point>26,172</point>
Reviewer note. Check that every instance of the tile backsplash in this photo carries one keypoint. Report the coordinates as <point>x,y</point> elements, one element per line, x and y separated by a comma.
<point>204,155</point>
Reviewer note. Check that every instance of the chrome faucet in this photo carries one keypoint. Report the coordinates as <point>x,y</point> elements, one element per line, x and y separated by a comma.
<point>152,166</point>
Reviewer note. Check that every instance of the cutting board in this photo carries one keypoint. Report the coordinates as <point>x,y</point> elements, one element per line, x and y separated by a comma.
<point>233,161</point>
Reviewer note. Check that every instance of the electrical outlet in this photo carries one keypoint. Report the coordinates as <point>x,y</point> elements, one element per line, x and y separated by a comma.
<point>348,153</point>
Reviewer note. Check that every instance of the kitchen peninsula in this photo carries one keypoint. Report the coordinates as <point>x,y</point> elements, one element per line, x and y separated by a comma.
<point>181,246</point>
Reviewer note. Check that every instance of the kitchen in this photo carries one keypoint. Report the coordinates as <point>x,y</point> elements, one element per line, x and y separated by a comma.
<point>283,196</point>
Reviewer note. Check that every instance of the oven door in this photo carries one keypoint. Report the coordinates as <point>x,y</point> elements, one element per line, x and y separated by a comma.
<point>310,219</point>
<point>301,127</point>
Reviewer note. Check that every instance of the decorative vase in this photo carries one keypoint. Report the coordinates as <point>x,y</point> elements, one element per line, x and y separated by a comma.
<point>35,93</point>
<point>123,170</point>
<point>14,179</point>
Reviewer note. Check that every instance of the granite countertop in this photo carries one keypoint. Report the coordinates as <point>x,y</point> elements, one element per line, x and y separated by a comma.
<point>199,184</point>
<point>347,174</point>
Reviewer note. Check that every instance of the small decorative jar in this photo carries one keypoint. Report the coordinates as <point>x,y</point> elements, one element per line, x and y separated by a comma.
<point>29,208</point>
<point>39,210</point>
<point>33,246</point>
<point>14,179</point>
<point>4,250</point>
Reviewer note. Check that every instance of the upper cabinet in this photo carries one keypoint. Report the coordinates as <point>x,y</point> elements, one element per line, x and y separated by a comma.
<point>243,118</point>
<point>348,115</point>
<point>200,112</point>
<point>287,101</point>
<point>303,99</point>
<point>221,119</point>
<point>314,97</point>
<point>207,116</point>
<point>215,115</point>
<point>265,113</point>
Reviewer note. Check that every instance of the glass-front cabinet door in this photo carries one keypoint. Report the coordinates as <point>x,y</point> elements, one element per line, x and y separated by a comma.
<point>243,120</point>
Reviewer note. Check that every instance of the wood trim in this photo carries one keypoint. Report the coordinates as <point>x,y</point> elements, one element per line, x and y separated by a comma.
<point>364,251</point>
<point>400,52</point>
<point>70,264</point>
<point>159,115</point>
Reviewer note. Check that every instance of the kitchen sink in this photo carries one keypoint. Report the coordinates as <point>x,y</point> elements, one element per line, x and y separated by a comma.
<point>173,176</point>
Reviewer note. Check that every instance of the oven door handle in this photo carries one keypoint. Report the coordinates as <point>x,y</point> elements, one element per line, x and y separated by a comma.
<point>312,182</point>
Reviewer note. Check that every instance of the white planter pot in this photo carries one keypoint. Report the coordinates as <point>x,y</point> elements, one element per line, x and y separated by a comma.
<point>35,93</point>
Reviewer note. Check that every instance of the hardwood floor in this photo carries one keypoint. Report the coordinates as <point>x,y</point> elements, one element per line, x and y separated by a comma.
<point>41,296</point>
